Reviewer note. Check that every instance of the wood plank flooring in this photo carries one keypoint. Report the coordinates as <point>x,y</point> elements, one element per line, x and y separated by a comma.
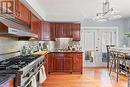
<point>91,77</point>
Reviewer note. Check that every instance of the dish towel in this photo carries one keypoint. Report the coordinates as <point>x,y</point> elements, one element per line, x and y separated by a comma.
<point>34,82</point>
<point>42,75</point>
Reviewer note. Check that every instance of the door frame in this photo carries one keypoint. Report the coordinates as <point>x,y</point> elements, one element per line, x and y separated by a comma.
<point>115,28</point>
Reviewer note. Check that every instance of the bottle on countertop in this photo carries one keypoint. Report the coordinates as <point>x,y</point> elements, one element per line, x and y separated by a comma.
<point>24,51</point>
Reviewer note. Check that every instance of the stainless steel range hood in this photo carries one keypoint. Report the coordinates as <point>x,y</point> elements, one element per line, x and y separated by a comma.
<point>9,28</point>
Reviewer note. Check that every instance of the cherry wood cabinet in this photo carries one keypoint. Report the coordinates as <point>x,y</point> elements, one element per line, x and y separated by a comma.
<point>34,24</point>
<point>47,31</point>
<point>76,32</point>
<point>58,62</point>
<point>23,14</point>
<point>63,30</point>
<point>65,62</point>
<point>16,9</point>
<point>51,58</point>
<point>77,63</point>
<point>58,30</point>
<point>52,29</point>
<point>68,63</point>
<point>46,64</point>
<point>69,30</point>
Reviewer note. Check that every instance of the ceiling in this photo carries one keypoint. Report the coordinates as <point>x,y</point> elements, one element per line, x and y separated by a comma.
<point>77,10</point>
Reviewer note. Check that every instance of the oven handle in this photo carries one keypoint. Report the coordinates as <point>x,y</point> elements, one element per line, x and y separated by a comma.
<point>28,83</point>
<point>32,76</point>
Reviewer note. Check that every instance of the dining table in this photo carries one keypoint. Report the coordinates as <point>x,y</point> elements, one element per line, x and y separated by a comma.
<point>125,50</point>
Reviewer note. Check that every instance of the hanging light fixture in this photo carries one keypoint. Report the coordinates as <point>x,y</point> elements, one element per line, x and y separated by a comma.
<point>108,13</point>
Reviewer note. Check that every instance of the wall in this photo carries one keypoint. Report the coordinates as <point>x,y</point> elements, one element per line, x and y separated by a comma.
<point>122,24</point>
<point>8,45</point>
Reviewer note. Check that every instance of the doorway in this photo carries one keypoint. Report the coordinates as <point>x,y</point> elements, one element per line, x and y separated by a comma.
<point>94,41</point>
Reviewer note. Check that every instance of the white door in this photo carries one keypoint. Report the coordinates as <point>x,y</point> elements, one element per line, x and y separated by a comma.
<point>94,43</point>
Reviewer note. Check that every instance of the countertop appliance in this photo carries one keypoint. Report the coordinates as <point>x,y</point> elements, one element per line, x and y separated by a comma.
<point>24,67</point>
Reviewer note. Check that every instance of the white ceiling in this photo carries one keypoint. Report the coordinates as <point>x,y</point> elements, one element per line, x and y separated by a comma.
<point>76,10</point>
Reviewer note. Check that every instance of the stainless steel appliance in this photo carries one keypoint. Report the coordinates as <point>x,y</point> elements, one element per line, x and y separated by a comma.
<point>25,67</point>
<point>10,28</point>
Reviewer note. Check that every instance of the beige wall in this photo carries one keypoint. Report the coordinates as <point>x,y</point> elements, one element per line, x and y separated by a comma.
<point>8,45</point>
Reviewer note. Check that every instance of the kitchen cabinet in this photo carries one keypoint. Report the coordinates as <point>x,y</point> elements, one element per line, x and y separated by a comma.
<point>47,31</point>
<point>68,63</point>
<point>23,14</point>
<point>51,57</point>
<point>34,24</point>
<point>17,10</point>
<point>59,30</point>
<point>58,62</point>
<point>77,63</point>
<point>67,30</point>
<point>52,29</point>
<point>63,30</point>
<point>45,63</point>
<point>76,32</point>
<point>65,62</point>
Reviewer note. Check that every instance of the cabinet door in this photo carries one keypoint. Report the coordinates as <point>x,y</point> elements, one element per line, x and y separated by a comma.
<point>77,63</point>
<point>34,24</point>
<point>68,60</point>
<point>50,62</point>
<point>46,32</point>
<point>52,29</point>
<point>24,14</point>
<point>76,32</point>
<point>69,30</point>
<point>59,30</point>
<point>58,62</point>
<point>46,64</point>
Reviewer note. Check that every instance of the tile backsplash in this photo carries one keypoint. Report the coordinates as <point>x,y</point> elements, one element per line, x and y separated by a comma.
<point>8,45</point>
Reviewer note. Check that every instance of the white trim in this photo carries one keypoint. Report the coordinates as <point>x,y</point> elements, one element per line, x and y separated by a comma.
<point>100,28</point>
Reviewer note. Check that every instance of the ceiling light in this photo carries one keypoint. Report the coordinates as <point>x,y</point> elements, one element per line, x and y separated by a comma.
<point>108,13</point>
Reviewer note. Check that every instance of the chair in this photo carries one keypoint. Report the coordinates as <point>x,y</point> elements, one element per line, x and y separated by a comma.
<point>112,61</point>
<point>108,53</point>
<point>118,56</point>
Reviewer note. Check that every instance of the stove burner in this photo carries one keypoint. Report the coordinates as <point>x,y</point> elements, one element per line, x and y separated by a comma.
<point>17,62</point>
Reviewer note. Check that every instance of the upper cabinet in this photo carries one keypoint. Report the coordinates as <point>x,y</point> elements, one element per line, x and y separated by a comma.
<point>35,24</point>
<point>15,9</point>
<point>47,31</point>
<point>23,14</point>
<point>66,30</point>
<point>76,32</point>
<point>63,30</point>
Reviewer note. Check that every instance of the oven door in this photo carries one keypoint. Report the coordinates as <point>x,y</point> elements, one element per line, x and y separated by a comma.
<point>33,81</point>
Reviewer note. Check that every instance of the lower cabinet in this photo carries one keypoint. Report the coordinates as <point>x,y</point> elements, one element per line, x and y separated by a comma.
<point>68,63</point>
<point>65,62</point>
<point>50,64</point>
<point>77,63</point>
<point>46,64</point>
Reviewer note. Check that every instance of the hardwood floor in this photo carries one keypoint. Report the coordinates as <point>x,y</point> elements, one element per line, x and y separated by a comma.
<point>91,77</point>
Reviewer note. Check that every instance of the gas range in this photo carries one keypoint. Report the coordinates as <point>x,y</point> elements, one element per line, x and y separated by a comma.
<point>16,63</point>
<point>23,66</point>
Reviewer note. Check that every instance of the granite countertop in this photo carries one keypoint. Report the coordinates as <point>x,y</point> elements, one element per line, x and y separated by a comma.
<point>5,77</point>
<point>66,52</point>
<point>45,52</point>
<point>40,53</point>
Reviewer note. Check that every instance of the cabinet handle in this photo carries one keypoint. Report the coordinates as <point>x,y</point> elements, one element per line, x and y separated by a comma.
<point>17,13</point>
